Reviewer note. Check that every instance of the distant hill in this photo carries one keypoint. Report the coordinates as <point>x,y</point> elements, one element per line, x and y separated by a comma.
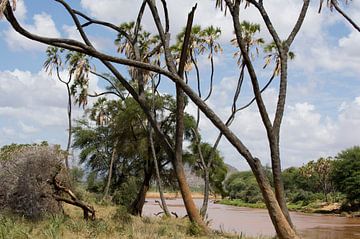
<point>231,169</point>
<point>197,182</point>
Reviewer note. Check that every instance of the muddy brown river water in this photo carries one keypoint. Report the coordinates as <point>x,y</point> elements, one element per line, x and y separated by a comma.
<point>256,222</point>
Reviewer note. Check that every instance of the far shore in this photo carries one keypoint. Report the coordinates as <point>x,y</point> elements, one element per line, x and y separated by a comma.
<point>176,195</point>
<point>322,208</point>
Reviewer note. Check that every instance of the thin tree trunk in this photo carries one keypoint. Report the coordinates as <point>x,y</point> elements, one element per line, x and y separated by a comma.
<point>113,156</point>
<point>69,111</point>
<point>158,178</point>
<point>151,141</point>
<point>191,209</point>
<point>70,127</point>
<point>278,182</point>
<point>205,204</point>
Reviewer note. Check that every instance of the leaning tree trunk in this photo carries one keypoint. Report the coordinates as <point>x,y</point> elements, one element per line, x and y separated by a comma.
<point>138,204</point>
<point>278,183</point>
<point>283,228</point>
<point>191,209</point>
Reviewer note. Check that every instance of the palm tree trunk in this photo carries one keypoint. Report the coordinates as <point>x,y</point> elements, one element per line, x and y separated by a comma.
<point>282,226</point>
<point>113,156</point>
<point>191,209</point>
<point>278,183</point>
<point>69,111</point>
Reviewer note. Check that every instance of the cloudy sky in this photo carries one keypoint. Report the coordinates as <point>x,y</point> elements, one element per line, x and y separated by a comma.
<point>322,114</point>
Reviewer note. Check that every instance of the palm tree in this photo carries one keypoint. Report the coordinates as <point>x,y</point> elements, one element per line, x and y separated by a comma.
<point>54,61</point>
<point>210,35</point>
<point>249,30</point>
<point>79,68</point>
<point>136,45</point>
<point>335,4</point>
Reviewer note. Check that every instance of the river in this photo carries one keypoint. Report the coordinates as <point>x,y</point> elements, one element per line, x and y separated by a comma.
<point>256,222</point>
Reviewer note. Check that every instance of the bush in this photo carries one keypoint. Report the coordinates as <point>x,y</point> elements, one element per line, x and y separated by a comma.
<point>243,186</point>
<point>121,215</point>
<point>306,197</point>
<point>94,185</point>
<point>346,174</point>
<point>126,193</point>
<point>25,174</point>
<point>194,229</point>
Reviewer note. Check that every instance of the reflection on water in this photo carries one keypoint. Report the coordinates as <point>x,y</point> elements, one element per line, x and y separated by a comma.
<point>256,222</point>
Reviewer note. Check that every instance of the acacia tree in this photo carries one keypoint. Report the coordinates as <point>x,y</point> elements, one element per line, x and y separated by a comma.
<point>274,201</point>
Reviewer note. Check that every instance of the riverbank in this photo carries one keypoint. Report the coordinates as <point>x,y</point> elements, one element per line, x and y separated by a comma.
<point>246,221</point>
<point>175,195</point>
<point>315,207</point>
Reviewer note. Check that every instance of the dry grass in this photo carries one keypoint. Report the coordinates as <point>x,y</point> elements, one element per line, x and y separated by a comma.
<point>105,227</point>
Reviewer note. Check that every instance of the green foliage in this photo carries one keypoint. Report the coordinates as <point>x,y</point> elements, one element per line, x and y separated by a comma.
<point>10,229</point>
<point>122,215</point>
<point>317,174</point>
<point>201,41</point>
<point>93,183</point>
<point>217,170</point>
<point>79,68</point>
<point>306,197</point>
<point>76,175</point>
<point>126,193</point>
<point>52,230</point>
<point>243,185</point>
<point>194,229</point>
<point>346,173</point>
<point>241,203</point>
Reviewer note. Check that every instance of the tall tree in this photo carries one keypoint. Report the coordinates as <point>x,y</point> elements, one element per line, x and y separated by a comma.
<point>54,61</point>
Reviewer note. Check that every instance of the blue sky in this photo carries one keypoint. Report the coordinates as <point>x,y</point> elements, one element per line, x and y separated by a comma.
<point>322,113</point>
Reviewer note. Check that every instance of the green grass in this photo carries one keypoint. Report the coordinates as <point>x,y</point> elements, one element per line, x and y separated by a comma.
<point>298,207</point>
<point>240,203</point>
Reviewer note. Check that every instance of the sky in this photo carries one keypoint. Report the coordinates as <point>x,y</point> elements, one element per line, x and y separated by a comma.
<point>322,113</point>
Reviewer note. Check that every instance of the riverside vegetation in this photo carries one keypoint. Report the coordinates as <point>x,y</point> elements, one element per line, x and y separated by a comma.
<point>327,185</point>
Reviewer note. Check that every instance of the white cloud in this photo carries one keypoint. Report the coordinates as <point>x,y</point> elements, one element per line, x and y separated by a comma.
<point>28,129</point>
<point>21,10</point>
<point>33,106</point>
<point>43,25</point>
<point>99,42</point>
<point>307,131</point>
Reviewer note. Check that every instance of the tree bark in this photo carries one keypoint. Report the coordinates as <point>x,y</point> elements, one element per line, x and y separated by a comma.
<point>138,204</point>
<point>191,209</point>
<point>113,156</point>
<point>205,204</point>
<point>281,224</point>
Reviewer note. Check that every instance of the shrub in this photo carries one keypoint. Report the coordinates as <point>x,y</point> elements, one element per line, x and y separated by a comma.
<point>25,174</point>
<point>346,174</point>
<point>126,193</point>
<point>122,215</point>
<point>306,197</point>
